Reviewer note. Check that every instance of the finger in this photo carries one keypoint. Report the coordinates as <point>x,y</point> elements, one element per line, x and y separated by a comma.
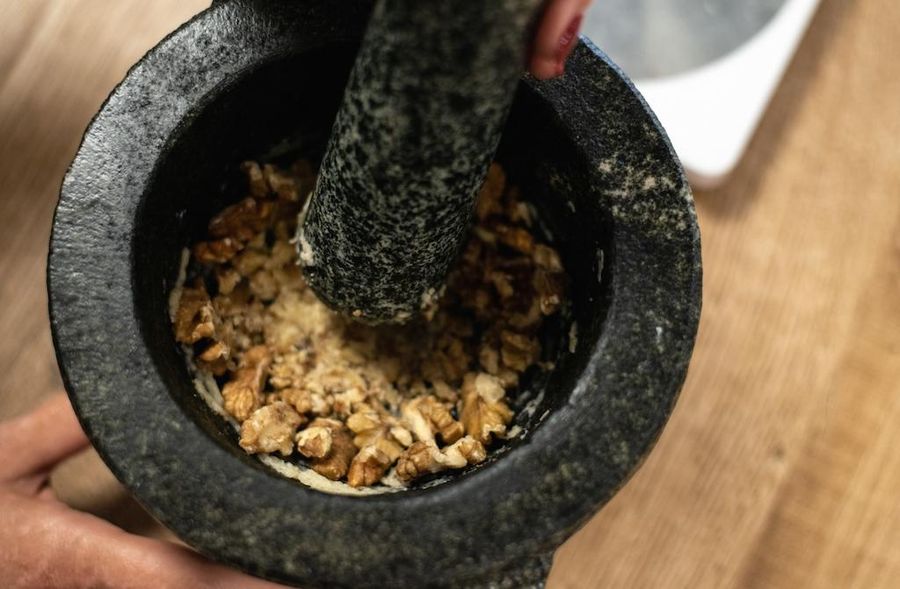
<point>163,564</point>
<point>49,545</point>
<point>35,442</point>
<point>556,37</point>
<point>47,493</point>
<point>30,485</point>
<point>143,562</point>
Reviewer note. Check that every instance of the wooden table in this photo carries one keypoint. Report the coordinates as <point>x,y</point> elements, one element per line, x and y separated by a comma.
<point>779,467</point>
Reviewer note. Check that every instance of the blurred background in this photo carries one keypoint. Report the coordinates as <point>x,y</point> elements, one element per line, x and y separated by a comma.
<point>779,465</point>
<point>657,38</point>
<point>707,67</point>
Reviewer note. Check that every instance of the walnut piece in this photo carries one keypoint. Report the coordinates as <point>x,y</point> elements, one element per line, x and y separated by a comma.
<point>444,391</point>
<point>518,351</point>
<point>368,466</point>
<point>300,399</point>
<point>264,285</point>
<point>448,362</point>
<point>215,358</point>
<point>484,410</point>
<point>335,464</point>
<point>489,358</point>
<point>427,417</point>
<point>515,237</point>
<point>465,451</point>
<point>289,368</point>
<point>249,261</point>
<point>367,425</point>
<point>425,458</point>
<point>283,185</point>
<point>315,441</point>
<point>380,441</point>
<point>227,278</point>
<point>198,323</point>
<point>243,394</point>
<point>374,429</point>
<point>491,193</point>
<point>546,257</point>
<point>242,221</point>
<point>347,401</point>
<point>256,183</point>
<point>502,284</point>
<point>270,429</point>
<point>195,318</point>
<point>217,251</point>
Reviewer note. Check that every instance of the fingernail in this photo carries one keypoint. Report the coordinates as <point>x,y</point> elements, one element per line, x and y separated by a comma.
<point>567,42</point>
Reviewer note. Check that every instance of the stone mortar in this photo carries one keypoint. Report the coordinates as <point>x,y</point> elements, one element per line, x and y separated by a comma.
<point>264,79</point>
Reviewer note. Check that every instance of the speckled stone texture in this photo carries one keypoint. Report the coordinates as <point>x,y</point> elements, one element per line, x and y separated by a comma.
<point>419,124</point>
<point>252,79</point>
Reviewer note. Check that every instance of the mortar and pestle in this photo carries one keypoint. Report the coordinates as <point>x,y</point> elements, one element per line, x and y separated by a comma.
<point>266,79</point>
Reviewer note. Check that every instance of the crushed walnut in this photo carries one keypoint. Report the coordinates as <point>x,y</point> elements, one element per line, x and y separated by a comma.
<point>358,403</point>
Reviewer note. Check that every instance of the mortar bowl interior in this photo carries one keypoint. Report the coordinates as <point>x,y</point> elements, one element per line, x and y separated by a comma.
<point>261,117</point>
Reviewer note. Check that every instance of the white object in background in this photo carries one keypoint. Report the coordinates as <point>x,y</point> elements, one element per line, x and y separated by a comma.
<point>710,113</point>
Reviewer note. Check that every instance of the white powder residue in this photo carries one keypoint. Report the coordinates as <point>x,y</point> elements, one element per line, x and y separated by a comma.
<point>314,480</point>
<point>209,391</point>
<point>513,432</point>
<point>305,251</point>
<point>178,289</point>
<point>305,254</point>
<point>601,261</point>
<point>402,316</point>
<point>532,406</point>
<point>429,304</point>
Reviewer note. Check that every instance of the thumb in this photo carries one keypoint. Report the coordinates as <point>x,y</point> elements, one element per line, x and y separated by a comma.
<point>556,37</point>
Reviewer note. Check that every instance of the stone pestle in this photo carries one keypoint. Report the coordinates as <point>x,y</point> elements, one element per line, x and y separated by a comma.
<point>420,121</point>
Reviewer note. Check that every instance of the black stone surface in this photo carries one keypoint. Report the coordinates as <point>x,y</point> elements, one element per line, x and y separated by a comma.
<point>250,79</point>
<point>420,121</point>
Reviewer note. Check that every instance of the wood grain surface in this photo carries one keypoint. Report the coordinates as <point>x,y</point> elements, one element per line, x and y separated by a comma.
<point>779,467</point>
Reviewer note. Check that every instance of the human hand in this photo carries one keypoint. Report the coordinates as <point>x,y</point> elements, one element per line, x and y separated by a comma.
<point>556,37</point>
<point>47,544</point>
